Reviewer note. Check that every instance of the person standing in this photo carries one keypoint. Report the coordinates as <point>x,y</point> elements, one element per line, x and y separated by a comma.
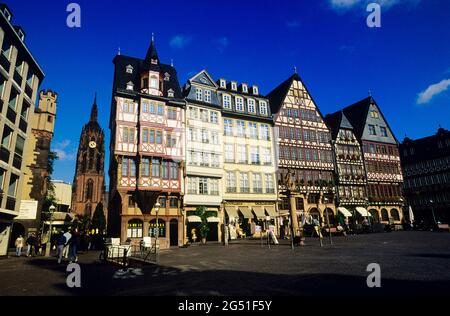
<point>19,245</point>
<point>29,243</point>
<point>60,242</point>
<point>74,243</point>
<point>68,236</point>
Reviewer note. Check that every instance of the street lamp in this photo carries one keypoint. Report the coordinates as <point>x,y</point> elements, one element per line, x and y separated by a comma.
<point>325,200</point>
<point>157,206</point>
<point>432,211</point>
<point>48,245</point>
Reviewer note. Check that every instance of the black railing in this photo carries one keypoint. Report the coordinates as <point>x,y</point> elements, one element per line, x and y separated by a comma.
<point>10,203</point>
<point>4,154</point>
<point>4,62</point>
<point>23,125</point>
<point>11,115</point>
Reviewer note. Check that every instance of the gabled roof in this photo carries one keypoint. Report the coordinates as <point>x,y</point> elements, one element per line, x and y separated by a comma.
<point>337,121</point>
<point>278,94</point>
<point>207,75</point>
<point>358,112</point>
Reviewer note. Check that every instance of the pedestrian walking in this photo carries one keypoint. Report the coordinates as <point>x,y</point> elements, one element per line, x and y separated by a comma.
<point>74,243</point>
<point>60,241</point>
<point>19,245</point>
<point>29,243</point>
<point>68,236</point>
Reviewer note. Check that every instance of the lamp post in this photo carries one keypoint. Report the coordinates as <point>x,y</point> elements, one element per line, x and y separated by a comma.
<point>432,211</point>
<point>48,245</point>
<point>157,206</point>
<point>267,230</point>
<point>325,200</point>
<point>225,226</point>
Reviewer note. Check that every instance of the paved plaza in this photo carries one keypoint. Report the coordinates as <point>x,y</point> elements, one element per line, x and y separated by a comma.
<point>411,263</point>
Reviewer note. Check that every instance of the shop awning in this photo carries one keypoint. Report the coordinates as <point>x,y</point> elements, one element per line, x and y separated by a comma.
<point>363,212</point>
<point>245,211</point>
<point>213,219</point>
<point>345,212</point>
<point>194,219</point>
<point>231,211</point>
<point>259,212</point>
<point>271,211</point>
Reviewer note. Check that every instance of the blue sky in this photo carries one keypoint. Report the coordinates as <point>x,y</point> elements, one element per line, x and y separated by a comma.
<point>405,63</point>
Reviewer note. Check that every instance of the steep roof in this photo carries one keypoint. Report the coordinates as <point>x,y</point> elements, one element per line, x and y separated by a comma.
<point>277,95</point>
<point>337,121</point>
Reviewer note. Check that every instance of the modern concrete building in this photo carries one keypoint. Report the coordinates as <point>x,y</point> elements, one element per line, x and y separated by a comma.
<point>204,159</point>
<point>63,195</point>
<point>20,77</point>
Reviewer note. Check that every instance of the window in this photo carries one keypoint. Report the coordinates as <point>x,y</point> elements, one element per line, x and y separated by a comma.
<point>203,186</point>
<point>154,83</point>
<point>172,113</point>
<point>166,76</point>
<point>254,156</point>
<point>234,86</point>
<point>134,228</point>
<point>192,185</point>
<point>383,131</point>
<point>215,138</point>
<point>25,110</point>
<point>229,153</point>
<point>173,170</point>
<point>226,101</point>
<point>145,167</point>
<point>165,170</point>
<point>20,143</point>
<point>19,67</point>
<point>13,99</point>
<point>251,106</point>
<point>239,104</point>
<point>6,48</point>
<point>269,183</point>
<point>374,114</point>
<point>129,69</point>
<point>204,116</point>
<point>159,228</point>
<point>125,164</point>
<point>372,130</point>
<point>240,128</point>
<point>207,96</point>
<point>263,108</point>
<point>152,108</point>
<point>253,128</point>
<point>214,187</point>
<point>170,93</point>
<point>242,153</point>
<point>161,110</point>
<point>255,90</point>
<point>244,182</point>
<point>231,182</point>
<point>215,160</point>
<point>30,77</point>
<point>264,130</point>
<point>267,155</point>
<point>130,86</point>
<point>159,137</point>
<point>13,182</point>
<point>228,127</point>
<point>198,94</point>
<point>214,116</point>
<point>155,168</point>
<point>193,113</point>
<point>257,183</point>
<point>171,141</point>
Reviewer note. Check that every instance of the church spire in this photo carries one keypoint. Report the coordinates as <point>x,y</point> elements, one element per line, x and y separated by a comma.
<point>94,111</point>
<point>151,52</point>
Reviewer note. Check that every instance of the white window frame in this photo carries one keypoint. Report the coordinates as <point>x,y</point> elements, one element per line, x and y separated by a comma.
<point>226,101</point>
<point>207,96</point>
<point>239,104</point>
<point>198,94</point>
<point>251,105</point>
<point>263,108</point>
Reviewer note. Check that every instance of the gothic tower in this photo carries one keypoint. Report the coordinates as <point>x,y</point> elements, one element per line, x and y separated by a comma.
<point>89,184</point>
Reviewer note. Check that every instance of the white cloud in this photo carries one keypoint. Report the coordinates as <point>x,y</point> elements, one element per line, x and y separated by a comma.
<point>61,150</point>
<point>179,41</point>
<point>432,91</point>
<point>345,5</point>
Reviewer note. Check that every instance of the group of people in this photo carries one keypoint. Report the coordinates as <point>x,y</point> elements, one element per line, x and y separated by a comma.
<point>33,243</point>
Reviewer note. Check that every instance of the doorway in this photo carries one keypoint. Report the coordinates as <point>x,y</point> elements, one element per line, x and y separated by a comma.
<point>173,232</point>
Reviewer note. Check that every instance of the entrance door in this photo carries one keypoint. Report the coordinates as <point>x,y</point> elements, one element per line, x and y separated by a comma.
<point>173,232</point>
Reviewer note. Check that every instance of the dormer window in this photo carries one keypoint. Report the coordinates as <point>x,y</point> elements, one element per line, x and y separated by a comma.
<point>255,90</point>
<point>262,108</point>
<point>21,35</point>
<point>251,106</point>
<point>166,76</point>
<point>223,84</point>
<point>239,104</point>
<point>244,88</point>
<point>234,86</point>
<point>129,69</point>
<point>207,96</point>
<point>170,93</point>
<point>130,86</point>
<point>7,14</point>
<point>227,101</point>
<point>154,61</point>
<point>198,94</point>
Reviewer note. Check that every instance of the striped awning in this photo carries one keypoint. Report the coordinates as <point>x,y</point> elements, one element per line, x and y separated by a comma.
<point>213,219</point>
<point>259,212</point>
<point>194,219</point>
<point>231,211</point>
<point>344,211</point>
<point>271,211</point>
<point>363,212</point>
<point>246,212</point>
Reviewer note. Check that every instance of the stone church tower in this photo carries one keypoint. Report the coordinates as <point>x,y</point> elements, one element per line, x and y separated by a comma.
<point>89,183</point>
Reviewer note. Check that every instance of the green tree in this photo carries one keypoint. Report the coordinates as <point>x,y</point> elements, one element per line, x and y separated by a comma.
<point>99,220</point>
<point>203,213</point>
<point>49,197</point>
